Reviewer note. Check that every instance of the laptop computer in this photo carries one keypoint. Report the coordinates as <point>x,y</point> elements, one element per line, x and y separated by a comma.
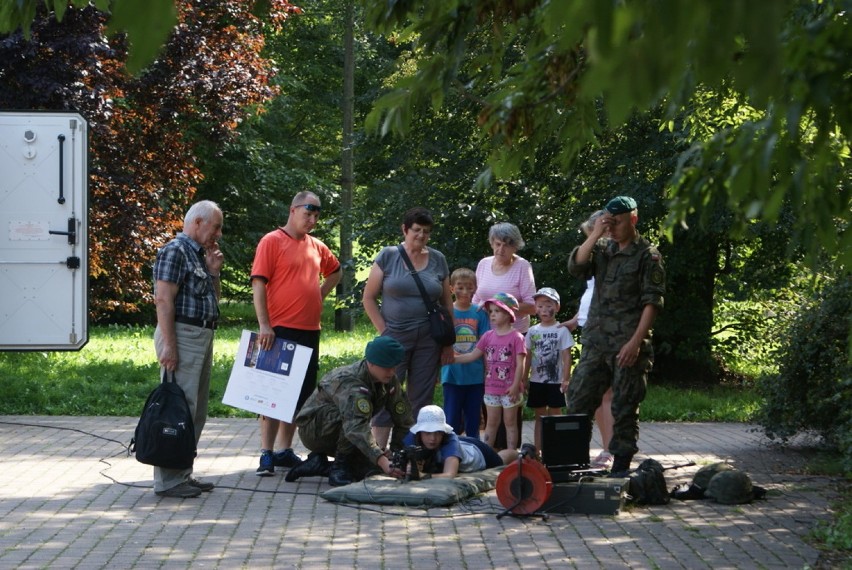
<point>565,445</point>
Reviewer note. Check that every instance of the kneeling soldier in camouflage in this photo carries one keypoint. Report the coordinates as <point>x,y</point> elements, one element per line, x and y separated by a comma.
<point>336,418</point>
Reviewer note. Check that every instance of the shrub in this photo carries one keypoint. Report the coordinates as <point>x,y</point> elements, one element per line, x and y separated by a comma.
<point>812,390</point>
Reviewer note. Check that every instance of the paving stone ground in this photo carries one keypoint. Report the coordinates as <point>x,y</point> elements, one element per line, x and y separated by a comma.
<point>70,497</point>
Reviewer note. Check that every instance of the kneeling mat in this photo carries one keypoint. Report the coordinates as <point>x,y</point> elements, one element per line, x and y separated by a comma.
<point>382,490</point>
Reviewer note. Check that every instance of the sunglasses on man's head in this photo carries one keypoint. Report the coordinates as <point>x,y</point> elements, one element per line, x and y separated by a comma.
<point>309,207</point>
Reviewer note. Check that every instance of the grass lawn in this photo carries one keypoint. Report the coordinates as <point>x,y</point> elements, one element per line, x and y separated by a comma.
<point>113,374</point>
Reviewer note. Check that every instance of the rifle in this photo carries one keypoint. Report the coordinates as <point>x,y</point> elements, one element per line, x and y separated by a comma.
<point>405,459</point>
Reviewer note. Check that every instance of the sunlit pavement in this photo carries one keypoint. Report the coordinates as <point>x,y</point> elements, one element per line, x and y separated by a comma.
<point>70,497</point>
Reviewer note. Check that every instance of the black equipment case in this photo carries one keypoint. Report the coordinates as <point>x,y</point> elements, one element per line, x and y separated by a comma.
<point>588,496</point>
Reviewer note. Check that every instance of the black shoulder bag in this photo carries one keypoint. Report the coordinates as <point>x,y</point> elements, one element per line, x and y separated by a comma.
<point>165,435</point>
<point>442,328</point>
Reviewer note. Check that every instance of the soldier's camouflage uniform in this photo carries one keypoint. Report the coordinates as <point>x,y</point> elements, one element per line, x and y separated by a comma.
<point>625,281</point>
<point>335,420</point>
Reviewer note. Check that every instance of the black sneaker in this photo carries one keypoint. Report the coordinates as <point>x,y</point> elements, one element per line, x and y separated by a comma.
<point>267,465</point>
<point>286,458</point>
<point>182,491</point>
<point>203,485</point>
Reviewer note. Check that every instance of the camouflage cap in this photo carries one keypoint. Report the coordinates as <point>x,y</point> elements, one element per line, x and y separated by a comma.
<point>703,475</point>
<point>548,292</point>
<point>730,488</point>
<point>620,205</point>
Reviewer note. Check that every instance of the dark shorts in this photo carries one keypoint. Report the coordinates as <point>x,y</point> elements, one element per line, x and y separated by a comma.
<point>545,396</point>
<point>492,459</point>
<point>311,339</point>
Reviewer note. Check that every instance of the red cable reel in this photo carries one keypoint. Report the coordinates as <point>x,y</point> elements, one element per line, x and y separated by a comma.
<point>524,486</point>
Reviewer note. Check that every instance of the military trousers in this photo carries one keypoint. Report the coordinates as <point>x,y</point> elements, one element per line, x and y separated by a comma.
<point>323,432</point>
<point>596,372</point>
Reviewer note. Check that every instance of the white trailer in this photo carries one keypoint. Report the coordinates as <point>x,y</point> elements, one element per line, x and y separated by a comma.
<point>43,231</point>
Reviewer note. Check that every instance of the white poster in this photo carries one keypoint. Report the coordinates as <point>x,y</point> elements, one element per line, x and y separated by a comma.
<point>267,382</point>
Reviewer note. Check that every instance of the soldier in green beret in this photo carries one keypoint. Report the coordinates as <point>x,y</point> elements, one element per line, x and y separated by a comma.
<point>629,286</point>
<point>335,420</point>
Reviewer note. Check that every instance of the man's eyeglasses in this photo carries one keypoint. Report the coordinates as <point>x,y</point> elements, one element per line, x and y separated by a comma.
<point>309,207</point>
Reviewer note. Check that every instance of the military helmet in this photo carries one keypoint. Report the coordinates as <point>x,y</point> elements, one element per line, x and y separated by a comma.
<point>705,474</point>
<point>730,488</point>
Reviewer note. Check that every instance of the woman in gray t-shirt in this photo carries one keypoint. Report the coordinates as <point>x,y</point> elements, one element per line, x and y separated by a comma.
<point>402,313</point>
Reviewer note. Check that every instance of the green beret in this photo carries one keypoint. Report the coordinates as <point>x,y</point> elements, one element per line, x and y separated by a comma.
<point>384,351</point>
<point>620,205</point>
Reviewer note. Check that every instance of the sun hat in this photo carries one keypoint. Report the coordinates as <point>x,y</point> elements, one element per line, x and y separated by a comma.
<point>548,292</point>
<point>505,301</point>
<point>430,419</point>
<point>384,351</point>
<point>620,205</point>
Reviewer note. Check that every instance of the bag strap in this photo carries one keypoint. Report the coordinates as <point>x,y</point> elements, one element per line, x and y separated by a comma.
<point>407,261</point>
<point>166,377</point>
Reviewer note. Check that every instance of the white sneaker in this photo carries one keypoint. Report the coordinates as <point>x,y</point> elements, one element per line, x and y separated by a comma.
<point>603,461</point>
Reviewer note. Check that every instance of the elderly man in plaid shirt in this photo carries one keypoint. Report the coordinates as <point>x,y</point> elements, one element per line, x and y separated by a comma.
<point>186,294</point>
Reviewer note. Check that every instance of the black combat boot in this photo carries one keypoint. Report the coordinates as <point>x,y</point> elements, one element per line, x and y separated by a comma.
<point>341,471</point>
<point>316,465</point>
<point>620,466</point>
<point>529,450</point>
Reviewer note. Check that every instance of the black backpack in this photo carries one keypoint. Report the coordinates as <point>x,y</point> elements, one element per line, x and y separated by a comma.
<point>165,434</point>
<point>648,485</point>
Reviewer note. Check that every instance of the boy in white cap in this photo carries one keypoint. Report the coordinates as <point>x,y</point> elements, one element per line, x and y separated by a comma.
<point>548,366</point>
<point>446,454</point>
<point>505,353</point>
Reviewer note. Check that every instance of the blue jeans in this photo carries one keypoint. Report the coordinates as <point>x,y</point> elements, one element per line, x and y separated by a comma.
<point>463,406</point>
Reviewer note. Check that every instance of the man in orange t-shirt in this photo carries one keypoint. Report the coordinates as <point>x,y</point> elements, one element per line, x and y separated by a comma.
<point>288,295</point>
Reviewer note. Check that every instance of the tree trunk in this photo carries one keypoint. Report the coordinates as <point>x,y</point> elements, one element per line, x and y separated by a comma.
<point>343,315</point>
<point>683,329</point>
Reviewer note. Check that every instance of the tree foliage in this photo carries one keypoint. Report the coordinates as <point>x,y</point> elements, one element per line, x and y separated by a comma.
<point>147,23</point>
<point>165,137</point>
<point>813,387</point>
<point>548,63</point>
<point>295,144</point>
<point>145,131</point>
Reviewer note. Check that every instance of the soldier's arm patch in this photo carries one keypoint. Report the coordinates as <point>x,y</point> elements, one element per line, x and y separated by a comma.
<point>364,406</point>
<point>400,408</point>
<point>657,275</point>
